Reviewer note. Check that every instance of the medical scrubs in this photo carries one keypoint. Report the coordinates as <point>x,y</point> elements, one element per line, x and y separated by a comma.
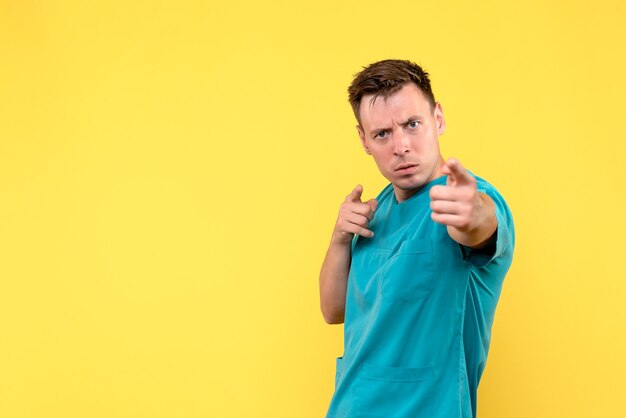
<point>419,310</point>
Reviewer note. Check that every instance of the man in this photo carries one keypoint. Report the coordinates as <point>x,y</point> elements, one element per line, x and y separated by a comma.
<point>415,274</point>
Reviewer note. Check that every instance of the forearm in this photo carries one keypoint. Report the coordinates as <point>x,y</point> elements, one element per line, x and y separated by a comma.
<point>485,225</point>
<point>334,281</point>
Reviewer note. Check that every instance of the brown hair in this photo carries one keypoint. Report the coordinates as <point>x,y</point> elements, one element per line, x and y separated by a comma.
<point>383,78</point>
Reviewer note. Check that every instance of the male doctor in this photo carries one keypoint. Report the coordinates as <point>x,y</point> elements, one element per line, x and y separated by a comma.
<point>415,274</point>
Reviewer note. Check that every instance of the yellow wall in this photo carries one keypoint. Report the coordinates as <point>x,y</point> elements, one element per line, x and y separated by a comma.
<point>170,173</point>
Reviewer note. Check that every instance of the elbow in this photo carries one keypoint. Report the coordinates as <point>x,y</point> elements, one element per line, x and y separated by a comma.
<point>333,316</point>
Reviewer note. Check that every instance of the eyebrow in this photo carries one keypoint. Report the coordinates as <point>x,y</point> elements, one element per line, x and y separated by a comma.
<point>376,131</point>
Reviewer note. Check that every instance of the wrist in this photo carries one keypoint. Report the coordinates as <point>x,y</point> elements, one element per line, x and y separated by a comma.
<point>341,239</point>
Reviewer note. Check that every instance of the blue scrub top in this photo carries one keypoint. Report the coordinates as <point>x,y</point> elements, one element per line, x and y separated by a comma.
<point>419,310</point>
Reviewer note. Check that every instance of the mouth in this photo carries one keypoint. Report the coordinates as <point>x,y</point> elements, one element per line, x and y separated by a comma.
<point>405,168</point>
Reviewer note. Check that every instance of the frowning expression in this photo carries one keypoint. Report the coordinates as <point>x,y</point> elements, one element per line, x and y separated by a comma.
<point>401,132</point>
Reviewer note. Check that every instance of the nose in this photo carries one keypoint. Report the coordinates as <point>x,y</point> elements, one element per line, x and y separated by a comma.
<point>401,143</point>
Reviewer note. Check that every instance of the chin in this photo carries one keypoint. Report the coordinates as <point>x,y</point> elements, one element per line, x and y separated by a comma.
<point>409,183</point>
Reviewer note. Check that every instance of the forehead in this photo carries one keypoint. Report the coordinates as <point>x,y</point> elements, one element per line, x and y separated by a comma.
<point>407,102</point>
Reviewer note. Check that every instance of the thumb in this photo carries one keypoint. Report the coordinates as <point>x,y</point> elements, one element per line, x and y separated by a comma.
<point>373,203</point>
<point>355,195</point>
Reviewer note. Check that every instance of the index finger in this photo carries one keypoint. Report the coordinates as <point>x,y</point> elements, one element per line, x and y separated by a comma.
<point>355,195</point>
<point>458,172</point>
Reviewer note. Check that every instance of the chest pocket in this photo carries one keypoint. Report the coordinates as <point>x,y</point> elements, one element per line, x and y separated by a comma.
<point>409,274</point>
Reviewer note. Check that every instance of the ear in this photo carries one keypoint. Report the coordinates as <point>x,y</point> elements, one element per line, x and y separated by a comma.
<point>439,118</point>
<point>362,136</point>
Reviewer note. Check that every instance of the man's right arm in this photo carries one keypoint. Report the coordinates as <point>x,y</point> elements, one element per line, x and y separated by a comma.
<point>354,217</point>
<point>334,282</point>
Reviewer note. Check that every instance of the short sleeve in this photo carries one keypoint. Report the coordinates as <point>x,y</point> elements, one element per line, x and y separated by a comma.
<point>504,236</point>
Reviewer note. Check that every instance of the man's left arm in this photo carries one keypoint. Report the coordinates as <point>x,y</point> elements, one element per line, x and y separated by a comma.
<point>469,215</point>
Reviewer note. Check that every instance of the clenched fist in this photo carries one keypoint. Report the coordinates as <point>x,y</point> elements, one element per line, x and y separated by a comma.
<point>354,217</point>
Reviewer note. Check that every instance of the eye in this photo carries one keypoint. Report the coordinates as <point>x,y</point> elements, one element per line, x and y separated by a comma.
<point>381,134</point>
<point>413,124</point>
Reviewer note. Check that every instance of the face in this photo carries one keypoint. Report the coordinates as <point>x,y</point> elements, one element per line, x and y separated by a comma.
<point>402,134</point>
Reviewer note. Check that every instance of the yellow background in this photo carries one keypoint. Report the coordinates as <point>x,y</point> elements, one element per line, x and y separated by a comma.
<point>170,173</point>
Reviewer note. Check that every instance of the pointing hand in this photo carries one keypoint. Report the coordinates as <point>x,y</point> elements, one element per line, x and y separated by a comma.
<point>458,203</point>
<point>354,217</point>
